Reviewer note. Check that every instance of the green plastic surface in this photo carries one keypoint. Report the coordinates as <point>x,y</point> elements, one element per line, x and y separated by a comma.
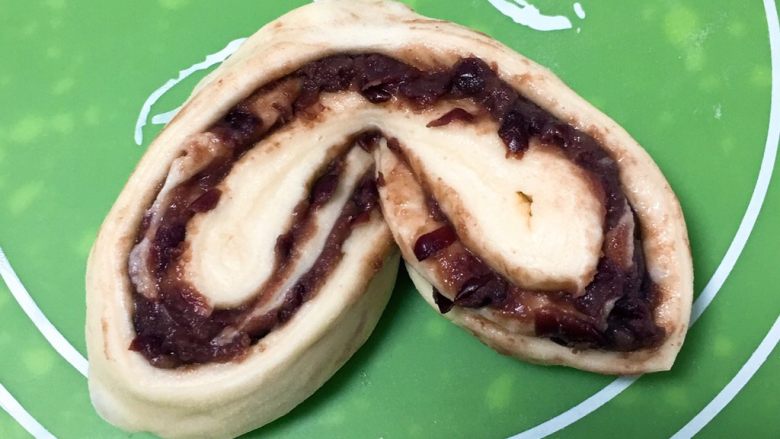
<point>690,80</point>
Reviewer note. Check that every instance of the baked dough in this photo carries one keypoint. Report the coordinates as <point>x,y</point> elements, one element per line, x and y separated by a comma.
<point>224,399</point>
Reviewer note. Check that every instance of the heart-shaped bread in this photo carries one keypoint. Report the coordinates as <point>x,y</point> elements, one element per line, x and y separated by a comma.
<point>254,248</point>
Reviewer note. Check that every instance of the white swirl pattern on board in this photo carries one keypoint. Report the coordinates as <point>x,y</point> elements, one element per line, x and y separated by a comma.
<point>734,386</point>
<point>522,12</point>
<point>20,415</point>
<point>49,331</point>
<point>211,59</point>
<point>771,339</point>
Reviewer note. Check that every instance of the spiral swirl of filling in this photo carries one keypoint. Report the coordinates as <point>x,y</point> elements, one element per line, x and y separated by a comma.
<point>183,315</point>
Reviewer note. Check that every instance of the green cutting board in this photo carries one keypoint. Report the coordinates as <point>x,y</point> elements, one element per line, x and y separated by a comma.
<point>691,80</point>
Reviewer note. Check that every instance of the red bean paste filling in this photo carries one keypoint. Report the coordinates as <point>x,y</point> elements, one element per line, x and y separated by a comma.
<point>582,322</point>
<point>177,327</point>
